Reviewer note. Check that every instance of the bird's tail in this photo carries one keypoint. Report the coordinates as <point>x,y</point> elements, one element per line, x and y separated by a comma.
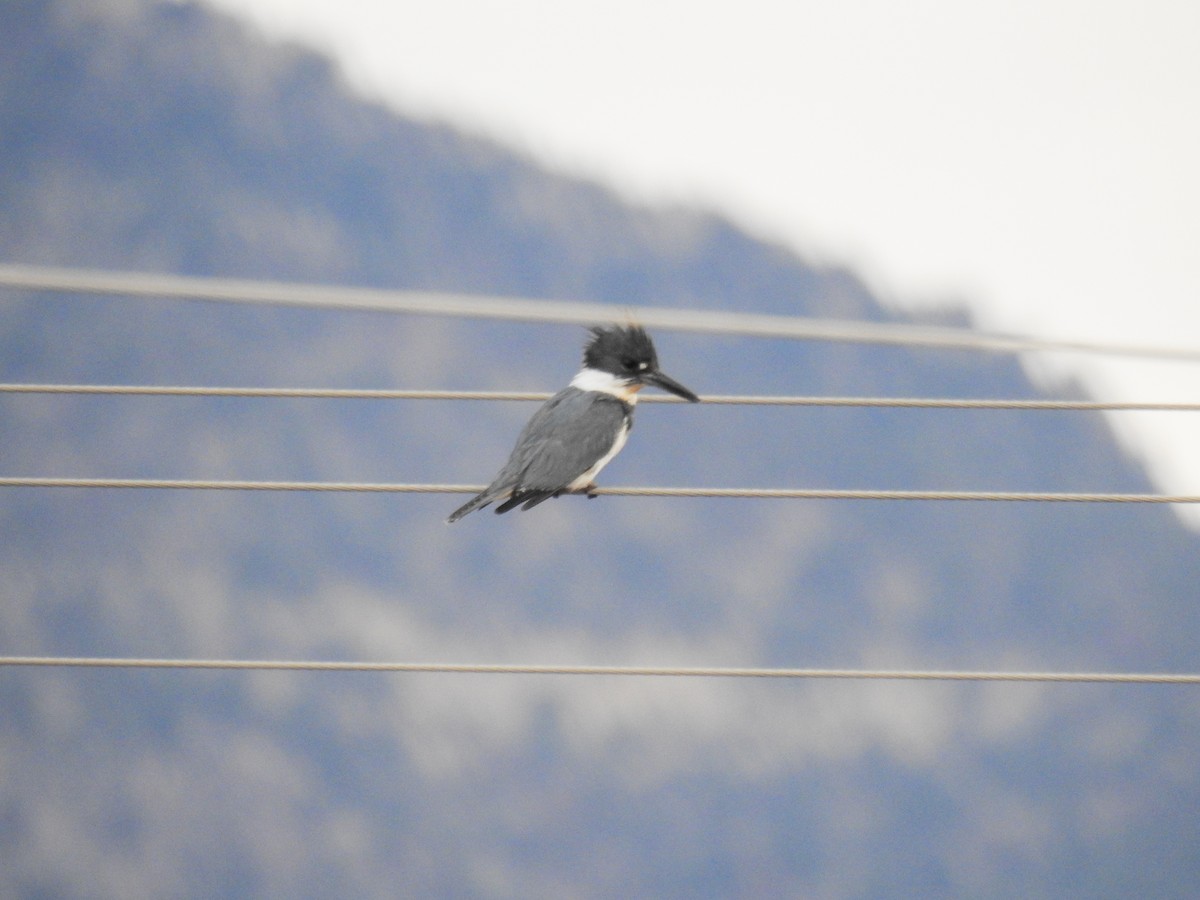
<point>479,500</point>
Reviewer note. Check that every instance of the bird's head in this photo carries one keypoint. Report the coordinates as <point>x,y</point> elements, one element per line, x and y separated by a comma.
<point>627,353</point>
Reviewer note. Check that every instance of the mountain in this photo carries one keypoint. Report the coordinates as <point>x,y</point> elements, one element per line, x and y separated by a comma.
<point>151,136</point>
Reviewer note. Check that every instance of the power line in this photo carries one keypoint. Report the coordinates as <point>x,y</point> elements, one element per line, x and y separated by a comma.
<point>644,671</point>
<point>287,393</point>
<point>741,493</point>
<point>711,399</point>
<point>139,284</point>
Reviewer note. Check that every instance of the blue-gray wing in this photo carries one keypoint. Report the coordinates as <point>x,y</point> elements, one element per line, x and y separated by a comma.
<point>563,440</point>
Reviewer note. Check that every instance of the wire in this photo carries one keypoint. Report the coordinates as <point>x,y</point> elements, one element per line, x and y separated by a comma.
<point>662,671</point>
<point>318,393</point>
<point>711,399</point>
<point>138,284</point>
<point>708,321</point>
<point>743,493</point>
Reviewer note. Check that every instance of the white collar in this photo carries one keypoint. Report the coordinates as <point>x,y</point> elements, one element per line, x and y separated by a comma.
<point>606,383</point>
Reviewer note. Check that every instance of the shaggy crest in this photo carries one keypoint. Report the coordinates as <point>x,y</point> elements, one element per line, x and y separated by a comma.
<point>626,345</point>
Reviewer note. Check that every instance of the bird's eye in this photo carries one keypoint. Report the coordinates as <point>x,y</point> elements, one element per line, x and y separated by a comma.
<point>632,365</point>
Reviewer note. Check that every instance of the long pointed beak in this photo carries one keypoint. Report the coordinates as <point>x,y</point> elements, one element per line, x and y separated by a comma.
<point>658,379</point>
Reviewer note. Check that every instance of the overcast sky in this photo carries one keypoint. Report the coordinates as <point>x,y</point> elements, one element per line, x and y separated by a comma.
<point>1038,160</point>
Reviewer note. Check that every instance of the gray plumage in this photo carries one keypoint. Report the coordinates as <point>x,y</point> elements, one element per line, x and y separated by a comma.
<point>558,445</point>
<point>578,430</point>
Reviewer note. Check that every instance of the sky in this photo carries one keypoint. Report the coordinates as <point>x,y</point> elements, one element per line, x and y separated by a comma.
<point>1035,160</point>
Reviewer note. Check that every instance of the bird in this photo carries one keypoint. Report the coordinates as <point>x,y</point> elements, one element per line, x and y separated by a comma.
<point>579,430</point>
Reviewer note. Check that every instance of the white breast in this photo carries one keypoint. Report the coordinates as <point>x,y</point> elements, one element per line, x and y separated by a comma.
<point>590,475</point>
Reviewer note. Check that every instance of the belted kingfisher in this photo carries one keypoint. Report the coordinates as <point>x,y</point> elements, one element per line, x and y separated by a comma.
<point>580,429</point>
